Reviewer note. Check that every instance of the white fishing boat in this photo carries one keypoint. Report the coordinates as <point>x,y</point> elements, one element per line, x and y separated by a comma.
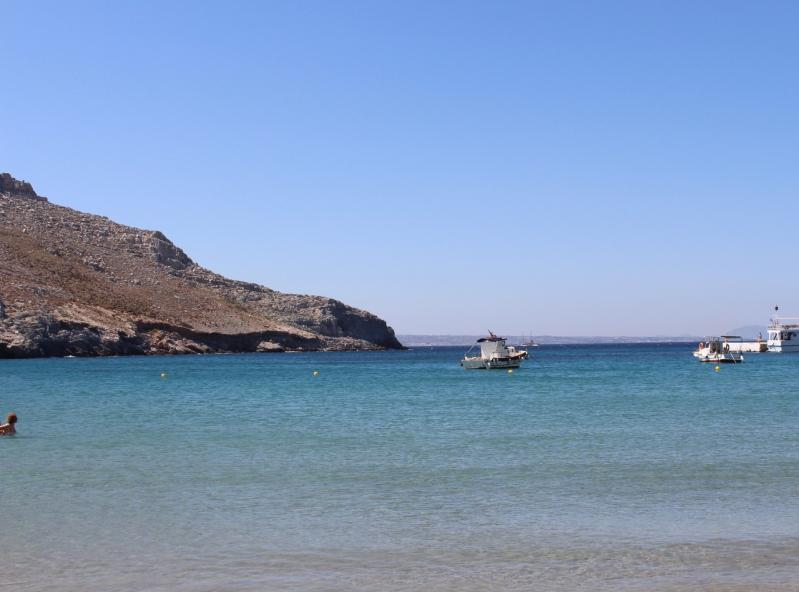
<point>494,355</point>
<point>717,350</point>
<point>783,334</point>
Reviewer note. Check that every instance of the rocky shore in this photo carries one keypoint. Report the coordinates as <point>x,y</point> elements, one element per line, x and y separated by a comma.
<point>78,284</point>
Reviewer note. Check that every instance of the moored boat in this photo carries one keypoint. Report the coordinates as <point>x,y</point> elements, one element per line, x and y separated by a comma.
<point>783,334</point>
<point>494,355</point>
<point>529,342</point>
<point>717,350</point>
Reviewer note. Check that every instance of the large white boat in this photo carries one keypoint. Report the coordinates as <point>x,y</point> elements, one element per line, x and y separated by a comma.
<point>783,334</point>
<point>494,355</point>
<point>717,350</point>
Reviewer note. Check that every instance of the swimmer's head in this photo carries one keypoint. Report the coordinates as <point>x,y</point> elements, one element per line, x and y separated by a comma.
<point>12,418</point>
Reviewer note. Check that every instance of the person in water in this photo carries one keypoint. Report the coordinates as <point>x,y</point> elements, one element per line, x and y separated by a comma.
<point>8,428</point>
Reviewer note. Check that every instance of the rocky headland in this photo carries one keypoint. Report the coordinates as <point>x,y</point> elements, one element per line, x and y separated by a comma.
<point>78,284</point>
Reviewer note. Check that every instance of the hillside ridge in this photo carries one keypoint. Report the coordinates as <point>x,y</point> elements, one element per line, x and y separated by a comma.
<point>73,283</point>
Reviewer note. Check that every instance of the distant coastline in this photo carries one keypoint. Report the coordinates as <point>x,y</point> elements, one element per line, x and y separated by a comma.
<point>443,340</point>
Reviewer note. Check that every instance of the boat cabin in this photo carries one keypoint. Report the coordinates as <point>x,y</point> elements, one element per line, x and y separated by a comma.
<point>493,347</point>
<point>783,334</point>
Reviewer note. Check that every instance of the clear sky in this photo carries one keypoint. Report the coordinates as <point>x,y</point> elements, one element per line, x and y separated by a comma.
<point>572,168</point>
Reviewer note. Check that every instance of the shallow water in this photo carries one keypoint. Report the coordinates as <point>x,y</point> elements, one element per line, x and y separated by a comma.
<point>592,468</point>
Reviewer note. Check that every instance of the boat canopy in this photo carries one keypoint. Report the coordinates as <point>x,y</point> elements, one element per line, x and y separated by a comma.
<point>491,337</point>
<point>784,323</point>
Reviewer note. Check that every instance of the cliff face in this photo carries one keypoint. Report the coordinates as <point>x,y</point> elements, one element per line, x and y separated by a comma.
<point>78,284</point>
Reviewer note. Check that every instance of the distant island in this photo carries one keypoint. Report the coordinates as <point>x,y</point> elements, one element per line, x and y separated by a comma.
<point>78,284</point>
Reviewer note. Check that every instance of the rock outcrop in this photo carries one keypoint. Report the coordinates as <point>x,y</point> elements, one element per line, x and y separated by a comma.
<point>11,186</point>
<point>79,284</point>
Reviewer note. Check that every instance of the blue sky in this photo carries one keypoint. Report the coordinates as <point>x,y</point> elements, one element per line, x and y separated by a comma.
<point>605,168</point>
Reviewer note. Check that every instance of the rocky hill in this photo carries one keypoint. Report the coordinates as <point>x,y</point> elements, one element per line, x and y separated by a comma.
<point>78,284</point>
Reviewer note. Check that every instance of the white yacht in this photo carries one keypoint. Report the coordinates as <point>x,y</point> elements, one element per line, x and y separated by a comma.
<point>717,350</point>
<point>783,334</point>
<point>494,355</point>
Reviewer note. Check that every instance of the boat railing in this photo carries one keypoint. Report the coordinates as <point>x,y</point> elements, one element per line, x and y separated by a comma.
<point>784,323</point>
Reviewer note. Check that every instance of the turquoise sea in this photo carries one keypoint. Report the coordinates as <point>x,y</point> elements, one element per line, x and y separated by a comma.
<point>614,467</point>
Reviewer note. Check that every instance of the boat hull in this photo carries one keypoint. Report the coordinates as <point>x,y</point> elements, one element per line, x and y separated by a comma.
<point>779,347</point>
<point>725,358</point>
<point>495,364</point>
<point>722,360</point>
<point>717,351</point>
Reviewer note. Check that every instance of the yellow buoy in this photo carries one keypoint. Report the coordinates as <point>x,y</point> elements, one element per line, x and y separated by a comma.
<point>163,374</point>
<point>718,368</point>
<point>510,370</point>
<point>316,372</point>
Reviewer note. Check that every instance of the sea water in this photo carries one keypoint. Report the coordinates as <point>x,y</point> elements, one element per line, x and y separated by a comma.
<point>622,467</point>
